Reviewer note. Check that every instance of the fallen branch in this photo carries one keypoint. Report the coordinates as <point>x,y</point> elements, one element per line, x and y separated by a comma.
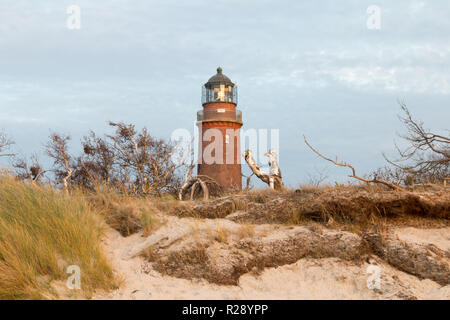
<point>353,175</point>
<point>193,183</point>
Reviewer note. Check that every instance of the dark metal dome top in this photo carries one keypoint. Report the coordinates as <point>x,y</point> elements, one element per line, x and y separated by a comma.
<point>218,79</point>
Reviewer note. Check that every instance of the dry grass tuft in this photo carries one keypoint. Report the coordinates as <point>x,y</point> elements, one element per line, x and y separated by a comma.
<point>125,214</point>
<point>42,232</point>
<point>246,231</point>
<point>221,234</point>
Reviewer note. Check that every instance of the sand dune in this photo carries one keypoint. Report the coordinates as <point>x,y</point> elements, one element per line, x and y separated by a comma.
<point>307,278</point>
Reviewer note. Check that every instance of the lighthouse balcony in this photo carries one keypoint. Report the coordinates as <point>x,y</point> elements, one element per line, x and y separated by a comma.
<point>220,115</point>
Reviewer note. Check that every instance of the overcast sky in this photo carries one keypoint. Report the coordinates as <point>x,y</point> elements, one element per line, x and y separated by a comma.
<point>303,67</point>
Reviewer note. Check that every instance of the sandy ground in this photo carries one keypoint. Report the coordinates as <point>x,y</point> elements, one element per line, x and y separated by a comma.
<point>438,237</point>
<point>327,278</point>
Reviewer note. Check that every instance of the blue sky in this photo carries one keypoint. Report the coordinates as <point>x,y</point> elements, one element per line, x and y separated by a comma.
<point>304,67</point>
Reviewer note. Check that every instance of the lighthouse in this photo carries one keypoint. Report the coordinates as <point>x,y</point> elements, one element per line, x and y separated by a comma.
<point>219,126</point>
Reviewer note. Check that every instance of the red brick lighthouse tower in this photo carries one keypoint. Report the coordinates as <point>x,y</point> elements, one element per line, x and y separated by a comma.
<point>219,125</point>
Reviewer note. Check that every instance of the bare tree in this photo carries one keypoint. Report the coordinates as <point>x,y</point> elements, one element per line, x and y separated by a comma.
<point>353,175</point>
<point>128,161</point>
<point>96,166</point>
<point>318,178</point>
<point>144,161</point>
<point>273,179</point>
<point>24,171</point>
<point>5,144</point>
<point>57,149</point>
<point>427,157</point>
<point>392,174</point>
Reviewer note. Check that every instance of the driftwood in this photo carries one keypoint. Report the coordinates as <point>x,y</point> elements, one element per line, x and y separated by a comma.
<point>207,185</point>
<point>193,183</point>
<point>353,175</point>
<point>187,179</point>
<point>273,180</point>
<point>273,163</point>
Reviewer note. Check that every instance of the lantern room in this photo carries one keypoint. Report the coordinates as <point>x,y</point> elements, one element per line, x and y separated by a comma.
<point>219,88</point>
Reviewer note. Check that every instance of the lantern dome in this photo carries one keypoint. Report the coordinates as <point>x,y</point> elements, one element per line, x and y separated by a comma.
<point>219,79</point>
<point>219,88</point>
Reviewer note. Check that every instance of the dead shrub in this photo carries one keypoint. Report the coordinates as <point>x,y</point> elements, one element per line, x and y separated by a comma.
<point>125,219</point>
<point>186,263</point>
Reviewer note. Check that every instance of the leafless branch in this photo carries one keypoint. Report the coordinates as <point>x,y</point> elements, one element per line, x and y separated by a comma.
<point>57,149</point>
<point>5,143</point>
<point>353,175</point>
<point>427,156</point>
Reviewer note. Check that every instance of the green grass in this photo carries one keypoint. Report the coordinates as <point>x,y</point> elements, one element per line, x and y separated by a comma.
<point>42,232</point>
